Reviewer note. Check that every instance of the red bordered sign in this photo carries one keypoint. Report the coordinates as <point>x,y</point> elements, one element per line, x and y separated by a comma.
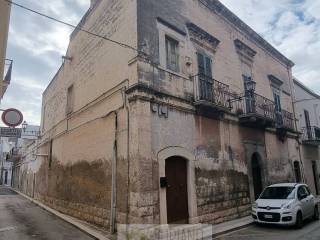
<point>12,117</point>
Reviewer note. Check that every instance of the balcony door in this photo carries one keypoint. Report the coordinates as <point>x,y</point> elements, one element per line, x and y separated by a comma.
<point>250,100</point>
<point>205,77</point>
<point>308,124</point>
<point>278,109</point>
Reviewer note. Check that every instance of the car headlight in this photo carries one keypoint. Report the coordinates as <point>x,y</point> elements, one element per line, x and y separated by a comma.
<point>286,206</point>
<point>254,205</point>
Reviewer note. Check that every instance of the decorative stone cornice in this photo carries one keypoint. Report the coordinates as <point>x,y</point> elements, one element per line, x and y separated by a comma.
<point>275,81</point>
<point>245,52</point>
<point>202,37</point>
<point>218,8</point>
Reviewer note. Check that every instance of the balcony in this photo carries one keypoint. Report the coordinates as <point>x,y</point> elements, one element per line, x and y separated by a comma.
<point>6,76</point>
<point>211,96</point>
<point>311,135</point>
<point>285,120</point>
<point>255,110</point>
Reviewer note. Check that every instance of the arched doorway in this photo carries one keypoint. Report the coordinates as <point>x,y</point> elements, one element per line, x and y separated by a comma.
<point>256,175</point>
<point>177,190</point>
<point>297,171</point>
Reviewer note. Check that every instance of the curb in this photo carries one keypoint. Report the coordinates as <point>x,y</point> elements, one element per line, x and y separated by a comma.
<point>220,234</point>
<point>98,235</point>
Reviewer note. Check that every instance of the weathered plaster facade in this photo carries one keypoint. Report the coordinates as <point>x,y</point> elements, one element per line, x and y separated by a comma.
<point>113,119</point>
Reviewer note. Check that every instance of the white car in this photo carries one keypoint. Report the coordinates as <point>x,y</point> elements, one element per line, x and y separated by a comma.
<point>285,204</point>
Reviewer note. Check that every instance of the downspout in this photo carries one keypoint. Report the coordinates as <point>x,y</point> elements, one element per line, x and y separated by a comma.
<point>295,122</point>
<point>114,168</point>
<point>114,179</point>
<point>128,162</point>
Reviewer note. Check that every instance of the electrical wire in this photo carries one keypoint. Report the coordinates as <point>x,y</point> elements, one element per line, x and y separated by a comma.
<point>75,27</point>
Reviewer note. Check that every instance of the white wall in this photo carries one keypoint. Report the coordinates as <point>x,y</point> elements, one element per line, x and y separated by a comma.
<point>303,103</point>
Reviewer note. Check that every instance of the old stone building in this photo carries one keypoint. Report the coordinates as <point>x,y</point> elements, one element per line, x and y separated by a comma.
<point>307,106</point>
<point>186,121</point>
<point>5,65</point>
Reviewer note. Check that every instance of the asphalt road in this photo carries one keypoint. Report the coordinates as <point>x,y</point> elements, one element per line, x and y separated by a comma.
<point>21,219</point>
<point>310,231</point>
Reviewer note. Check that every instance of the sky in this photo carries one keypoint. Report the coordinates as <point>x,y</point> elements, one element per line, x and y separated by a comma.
<point>36,44</point>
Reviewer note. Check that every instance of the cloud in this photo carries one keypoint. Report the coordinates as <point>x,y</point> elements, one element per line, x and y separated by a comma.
<point>36,45</point>
<point>292,26</point>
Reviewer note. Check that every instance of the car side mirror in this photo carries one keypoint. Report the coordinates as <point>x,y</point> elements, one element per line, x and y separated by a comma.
<point>302,196</point>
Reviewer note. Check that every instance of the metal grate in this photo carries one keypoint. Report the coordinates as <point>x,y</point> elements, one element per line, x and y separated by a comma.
<point>212,91</point>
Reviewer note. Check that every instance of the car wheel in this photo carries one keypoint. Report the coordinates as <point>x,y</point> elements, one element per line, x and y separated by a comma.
<point>316,213</point>
<point>299,221</point>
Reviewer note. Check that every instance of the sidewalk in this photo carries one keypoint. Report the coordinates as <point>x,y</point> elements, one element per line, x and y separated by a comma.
<point>81,225</point>
<point>230,226</point>
<point>96,233</point>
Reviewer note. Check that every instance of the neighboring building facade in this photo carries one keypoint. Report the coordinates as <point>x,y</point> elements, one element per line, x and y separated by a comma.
<point>6,145</point>
<point>150,136</point>
<point>307,105</point>
<point>13,140</point>
<point>5,65</point>
<point>24,158</point>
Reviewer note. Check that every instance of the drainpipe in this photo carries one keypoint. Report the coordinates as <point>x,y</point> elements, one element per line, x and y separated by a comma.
<point>114,179</point>
<point>33,184</point>
<point>128,162</point>
<point>291,85</point>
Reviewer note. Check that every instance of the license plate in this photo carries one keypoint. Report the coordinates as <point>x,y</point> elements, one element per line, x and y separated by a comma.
<point>267,216</point>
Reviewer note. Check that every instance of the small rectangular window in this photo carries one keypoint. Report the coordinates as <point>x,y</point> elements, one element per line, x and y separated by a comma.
<point>70,100</point>
<point>172,54</point>
<point>50,152</point>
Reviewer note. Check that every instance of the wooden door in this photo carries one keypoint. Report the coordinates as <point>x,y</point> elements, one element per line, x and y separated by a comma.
<point>177,191</point>
<point>6,177</point>
<point>256,177</point>
<point>315,176</point>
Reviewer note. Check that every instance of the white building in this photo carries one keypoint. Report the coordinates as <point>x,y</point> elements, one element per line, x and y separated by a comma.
<point>10,151</point>
<point>307,106</point>
<point>6,145</point>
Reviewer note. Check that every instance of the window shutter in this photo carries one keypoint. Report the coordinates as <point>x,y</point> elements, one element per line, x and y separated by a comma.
<point>208,67</point>
<point>201,64</point>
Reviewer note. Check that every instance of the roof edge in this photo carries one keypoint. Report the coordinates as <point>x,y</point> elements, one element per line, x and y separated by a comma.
<point>304,87</point>
<point>217,7</point>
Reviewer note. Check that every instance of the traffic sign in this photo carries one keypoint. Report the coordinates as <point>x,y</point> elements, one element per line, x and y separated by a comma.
<point>12,117</point>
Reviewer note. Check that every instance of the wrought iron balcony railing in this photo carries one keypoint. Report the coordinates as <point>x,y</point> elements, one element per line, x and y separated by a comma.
<point>212,91</point>
<point>253,104</point>
<point>311,134</point>
<point>285,120</point>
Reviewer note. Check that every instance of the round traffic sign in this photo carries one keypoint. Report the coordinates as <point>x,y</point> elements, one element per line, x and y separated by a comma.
<point>12,117</point>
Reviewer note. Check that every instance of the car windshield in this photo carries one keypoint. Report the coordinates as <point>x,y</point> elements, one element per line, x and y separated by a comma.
<point>278,193</point>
